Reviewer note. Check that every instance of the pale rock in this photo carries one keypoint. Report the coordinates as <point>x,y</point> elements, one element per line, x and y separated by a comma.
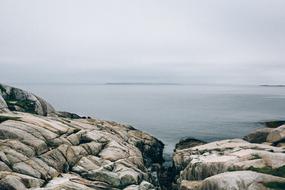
<point>239,180</point>
<point>276,135</point>
<point>46,151</point>
<point>258,136</point>
<point>190,185</point>
<point>212,159</point>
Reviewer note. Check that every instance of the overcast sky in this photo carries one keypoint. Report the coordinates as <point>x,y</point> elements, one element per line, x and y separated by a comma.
<point>187,41</point>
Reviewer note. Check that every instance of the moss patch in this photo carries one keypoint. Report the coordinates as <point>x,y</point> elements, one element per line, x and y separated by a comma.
<point>275,185</point>
<point>274,124</point>
<point>2,89</point>
<point>268,170</point>
<point>26,105</point>
<point>5,118</point>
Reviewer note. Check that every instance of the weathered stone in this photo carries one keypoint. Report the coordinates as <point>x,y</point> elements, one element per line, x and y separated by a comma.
<point>240,180</point>
<point>105,176</point>
<point>46,171</point>
<point>68,182</point>
<point>4,167</point>
<point>258,136</point>
<point>190,185</point>
<point>200,163</point>
<point>129,176</point>
<point>114,151</point>
<point>12,130</point>
<point>26,169</point>
<point>68,115</point>
<point>146,186</point>
<point>11,183</point>
<point>60,152</point>
<point>188,143</point>
<point>3,105</point>
<point>11,180</point>
<point>20,100</point>
<point>93,148</point>
<point>74,139</point>
<point>276,135</point>
<point>151,148</point>
<point>143,186</point>
<point>17,146</point>
<point>10,156</point>
<point>91,163</point>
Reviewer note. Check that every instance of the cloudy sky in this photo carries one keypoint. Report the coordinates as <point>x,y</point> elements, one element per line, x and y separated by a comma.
<point>187,41</point>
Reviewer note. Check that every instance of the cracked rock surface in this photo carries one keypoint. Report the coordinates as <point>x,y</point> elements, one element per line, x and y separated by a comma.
<point>46,152</point>
<point>230,164</point>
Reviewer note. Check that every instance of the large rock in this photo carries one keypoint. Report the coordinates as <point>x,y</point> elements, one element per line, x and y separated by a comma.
<point>93,154</point>
<point>68,115</point>
<point>201,162</point>
<point>238,180</point>
<point>152,150</point>
<point>188,143</point>
<point>65,151</point>
<point>20,100</point>
<point>276,135</point>
<point>274,124</point>
<point>258,136</point>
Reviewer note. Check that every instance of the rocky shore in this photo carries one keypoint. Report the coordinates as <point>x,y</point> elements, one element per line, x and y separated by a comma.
<point>256,162</point>
<point>43,149</point>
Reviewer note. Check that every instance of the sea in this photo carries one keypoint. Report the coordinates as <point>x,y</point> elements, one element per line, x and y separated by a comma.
<point>171,111</point>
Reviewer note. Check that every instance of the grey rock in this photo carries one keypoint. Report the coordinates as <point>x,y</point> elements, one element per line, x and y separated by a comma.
<point>188,143</point>
<point>240,180</point>
<point>3,105</point>
<point>11,183</point>
<point>20,100</point>
<point>258,136</point>
<point>68,115</point>
<point>105,176</point>
<point>12,180</point>
<point>276,135</point>
<point>200,163</point>
<point>47,150</point>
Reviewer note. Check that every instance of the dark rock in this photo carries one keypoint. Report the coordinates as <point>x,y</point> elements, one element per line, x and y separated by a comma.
<point>258,136</point>
<point>23,101</point>
<point>188,143</point>
<point>274,124</point>
<point>68,115</point>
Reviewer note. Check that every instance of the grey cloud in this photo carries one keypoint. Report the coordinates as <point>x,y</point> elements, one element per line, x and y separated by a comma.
<point>130,40</point>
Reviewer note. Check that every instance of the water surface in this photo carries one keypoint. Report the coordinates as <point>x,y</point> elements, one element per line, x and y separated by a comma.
<point>169,112</point>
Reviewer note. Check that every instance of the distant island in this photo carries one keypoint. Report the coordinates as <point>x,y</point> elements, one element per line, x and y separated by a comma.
<point>140,83</point>
<point>272,85</point>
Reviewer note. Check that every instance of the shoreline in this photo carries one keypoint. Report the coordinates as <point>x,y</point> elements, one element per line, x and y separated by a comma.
<point>106,154</point>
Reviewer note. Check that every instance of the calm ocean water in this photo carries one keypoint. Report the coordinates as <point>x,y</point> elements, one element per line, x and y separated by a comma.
<point>171,112</point>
